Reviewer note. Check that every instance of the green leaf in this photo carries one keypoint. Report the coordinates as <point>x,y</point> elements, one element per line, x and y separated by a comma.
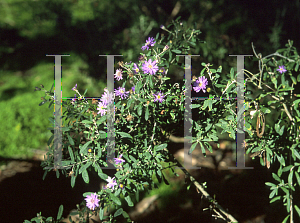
<point>118,212</point>
<point>115,199</point>
<point>160,147</point>
<point>297,209</point>
<point>208,147</point>
<point>290,178</point>
<point>87,122</point>
<point>270,184</point>
<point>84,147</point>
<point>85,176</point>
<point>286,218</point>
<point>140,109</point>
<point>192,147</point>
<point>195,106</point>
<point>102,119</point>
<point>176,51</point>
<point>202,149</point>
<point>125,135</point>
<point>128,199</point>
<point>298,178</point>
<point>272,194</point>
<point>132,158</point>
<point>294,80</point>
<point>276,177</point>
<point>275,199</point>
<point>101,213</point>
<point>60,212</point>
<point>70,139</point>
<point>84,167</point>
<point>147,114</point>
<point>73,178</point>
<point>102,176</point>
<point>71,154</point>
<point>50,140</point>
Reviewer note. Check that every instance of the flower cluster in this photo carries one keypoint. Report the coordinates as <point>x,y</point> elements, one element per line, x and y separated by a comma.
<point>149,42</point>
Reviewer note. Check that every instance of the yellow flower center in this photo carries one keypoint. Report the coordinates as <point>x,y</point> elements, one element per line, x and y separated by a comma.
<point>150,66</point>
<point>200,84</point>
<point>137,70</point>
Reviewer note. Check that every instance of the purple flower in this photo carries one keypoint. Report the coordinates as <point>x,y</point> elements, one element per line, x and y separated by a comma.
<point>135,68</point>
<point>101,108</point>
<point>162,27</point>
<point>119,159</point>
<point>133,88</point>
<point>141,58</point>
<point>111,182</point>
<point>150,41</point>
<point>150,67</point>
<point>121,92</point>
<point>118,74</point>
<point>92,201</point>
<point>281,69</point>
<point>121,186</point>
<point>162,71</point>
<point>200,84</point>
<point>107,97</point>
<point>74,88</point>
<point>159,97</point>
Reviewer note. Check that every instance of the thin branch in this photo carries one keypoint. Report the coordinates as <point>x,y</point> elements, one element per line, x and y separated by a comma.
<point>206,195</point>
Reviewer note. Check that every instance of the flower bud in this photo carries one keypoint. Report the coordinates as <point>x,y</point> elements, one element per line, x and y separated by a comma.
<point>42,86</point>
<point>37,89</point>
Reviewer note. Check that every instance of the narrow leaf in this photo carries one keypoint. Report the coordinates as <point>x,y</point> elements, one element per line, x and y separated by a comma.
<point>60,212</point>
<point>85,176</point>
<point>118,212</point>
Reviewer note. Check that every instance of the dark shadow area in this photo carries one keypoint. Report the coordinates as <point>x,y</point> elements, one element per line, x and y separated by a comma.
<point>26,194</point>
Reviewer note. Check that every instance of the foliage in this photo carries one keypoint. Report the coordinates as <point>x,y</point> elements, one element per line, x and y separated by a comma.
<point>143,155</point>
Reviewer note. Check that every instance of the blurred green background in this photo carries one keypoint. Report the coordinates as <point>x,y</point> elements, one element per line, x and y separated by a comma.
<point>85,29</point>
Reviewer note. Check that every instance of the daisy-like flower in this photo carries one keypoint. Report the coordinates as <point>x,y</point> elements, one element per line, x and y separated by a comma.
<point>111,182</point>
<point>118,74</point>
<point>281,69</point>
<point>159,97</point>
<point>119,160</point>
<point>121,92</point>
<point>92,201</point>
<point>200,84</point>
<point>101,108</point>
<point>74,88</point>
<point>150,67</point>
<point>135,68</point>
<point>149,42</point>
<point>107,97</point>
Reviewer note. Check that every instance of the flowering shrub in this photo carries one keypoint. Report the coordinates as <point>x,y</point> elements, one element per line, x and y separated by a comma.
<point>154,108</point>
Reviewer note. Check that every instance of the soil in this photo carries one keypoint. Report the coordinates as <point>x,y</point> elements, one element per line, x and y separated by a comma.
<point>23,194</point>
